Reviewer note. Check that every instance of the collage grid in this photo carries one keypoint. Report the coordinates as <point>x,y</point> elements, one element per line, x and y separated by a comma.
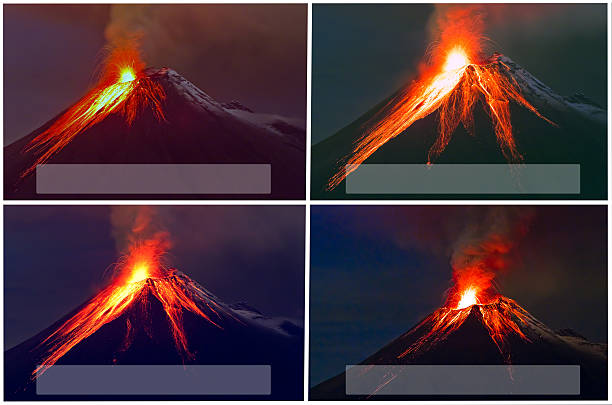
<point>355,213</point>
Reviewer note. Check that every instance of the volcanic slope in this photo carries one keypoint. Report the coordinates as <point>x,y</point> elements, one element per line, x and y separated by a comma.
<point>195,129</point>
<point>143,335</point>
<point>470,343</point>
<point>578,136</point>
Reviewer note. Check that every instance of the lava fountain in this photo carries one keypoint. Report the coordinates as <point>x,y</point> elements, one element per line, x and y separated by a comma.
<point>452,84</point>
<point>123,88</point>
<point>138,273</point>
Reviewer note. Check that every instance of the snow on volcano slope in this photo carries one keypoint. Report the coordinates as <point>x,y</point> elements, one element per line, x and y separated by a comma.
<point>542,95</point>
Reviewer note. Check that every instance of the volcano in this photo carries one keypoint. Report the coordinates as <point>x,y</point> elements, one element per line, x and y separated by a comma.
<point>499,332</point>
<point>154,316</point>
<point>156,116</point>
<point>469,109</point>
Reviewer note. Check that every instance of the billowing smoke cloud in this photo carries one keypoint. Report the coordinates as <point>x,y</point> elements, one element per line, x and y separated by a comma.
<point>478,241</point>
<point>128,21</point>
<point>231,51</point>
<point>132,225</point>
<point>482,248</point>
<point>504,23</point>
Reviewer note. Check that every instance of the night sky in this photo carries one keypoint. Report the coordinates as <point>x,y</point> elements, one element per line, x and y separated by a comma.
<point>255,54</point>
<point>363,53</point>
<point>55,258</point>
<point>378,270</point>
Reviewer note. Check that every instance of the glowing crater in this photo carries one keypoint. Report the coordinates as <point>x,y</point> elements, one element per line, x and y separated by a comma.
<point>126,75</point>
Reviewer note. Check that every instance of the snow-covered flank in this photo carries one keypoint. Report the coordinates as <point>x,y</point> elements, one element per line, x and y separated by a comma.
<point>286,326</point>
<point>291,130</point>
<point>271,121</point>
<point>236,105</point>
<point>240,311</point>
<point>542,95</point>
<point>188,90</point>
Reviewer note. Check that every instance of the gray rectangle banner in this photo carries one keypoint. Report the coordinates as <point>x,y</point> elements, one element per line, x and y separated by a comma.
<point>463,380</point>
<point>464,179</point>
<point>156,380</point>
<point>154,179</point>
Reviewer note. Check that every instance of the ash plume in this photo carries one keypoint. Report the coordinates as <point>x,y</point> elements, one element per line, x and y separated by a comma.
<point>260,47</point>
<point>502,21</point>
<point>478,241</point>
<point>133,225</point>
<point>127,22</point>
<point>483,247</point>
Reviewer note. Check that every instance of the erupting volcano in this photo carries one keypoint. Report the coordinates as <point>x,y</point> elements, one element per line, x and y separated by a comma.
<point>477,325</point>
<point>122,88</point>
<point>138,274</point>
<point>458,78</point>
<point>150,314</point>
<point>141,115</point>
<point>506,115</point>
<point>479,331</point>
<point>501,317</point>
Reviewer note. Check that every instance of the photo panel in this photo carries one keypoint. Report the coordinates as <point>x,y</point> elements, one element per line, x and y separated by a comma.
<point>155,101</point>
<point>458,302</point>
<point>153,302</point>
<point>468,101</point>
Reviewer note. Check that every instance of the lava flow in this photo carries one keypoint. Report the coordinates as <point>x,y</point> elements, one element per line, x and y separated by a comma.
<point>139,273</point>
<point>455,81</point>
<point>122,88</point>
<point>500,315</point>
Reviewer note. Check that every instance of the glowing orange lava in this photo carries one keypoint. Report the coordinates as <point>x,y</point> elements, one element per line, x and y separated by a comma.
<point>452,86</point>
<point>456,59</point>
<point>127,75</point>
<point>468,298</point>
<point>502,317</point>
<point>122,89</point>
<point>138,274</point>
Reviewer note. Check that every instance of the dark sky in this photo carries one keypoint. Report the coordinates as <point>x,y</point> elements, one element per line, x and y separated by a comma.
<point>55,257</point>
<point>377,270</point>
<point>252,53</point>
<point>363,53</point>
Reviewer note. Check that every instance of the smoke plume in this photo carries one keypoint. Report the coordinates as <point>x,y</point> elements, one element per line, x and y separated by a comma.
<point>505,23</point>
<point>134,225</point>
<point>231,51</point>
<point>483,247</point>
<point>478,241</point>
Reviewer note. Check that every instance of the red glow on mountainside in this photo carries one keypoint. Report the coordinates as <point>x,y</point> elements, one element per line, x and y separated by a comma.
<point>502,317</point>
<point>475,266</point>
<point>457,78</point>
<point>139,273</point>
<point>122,88</point>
